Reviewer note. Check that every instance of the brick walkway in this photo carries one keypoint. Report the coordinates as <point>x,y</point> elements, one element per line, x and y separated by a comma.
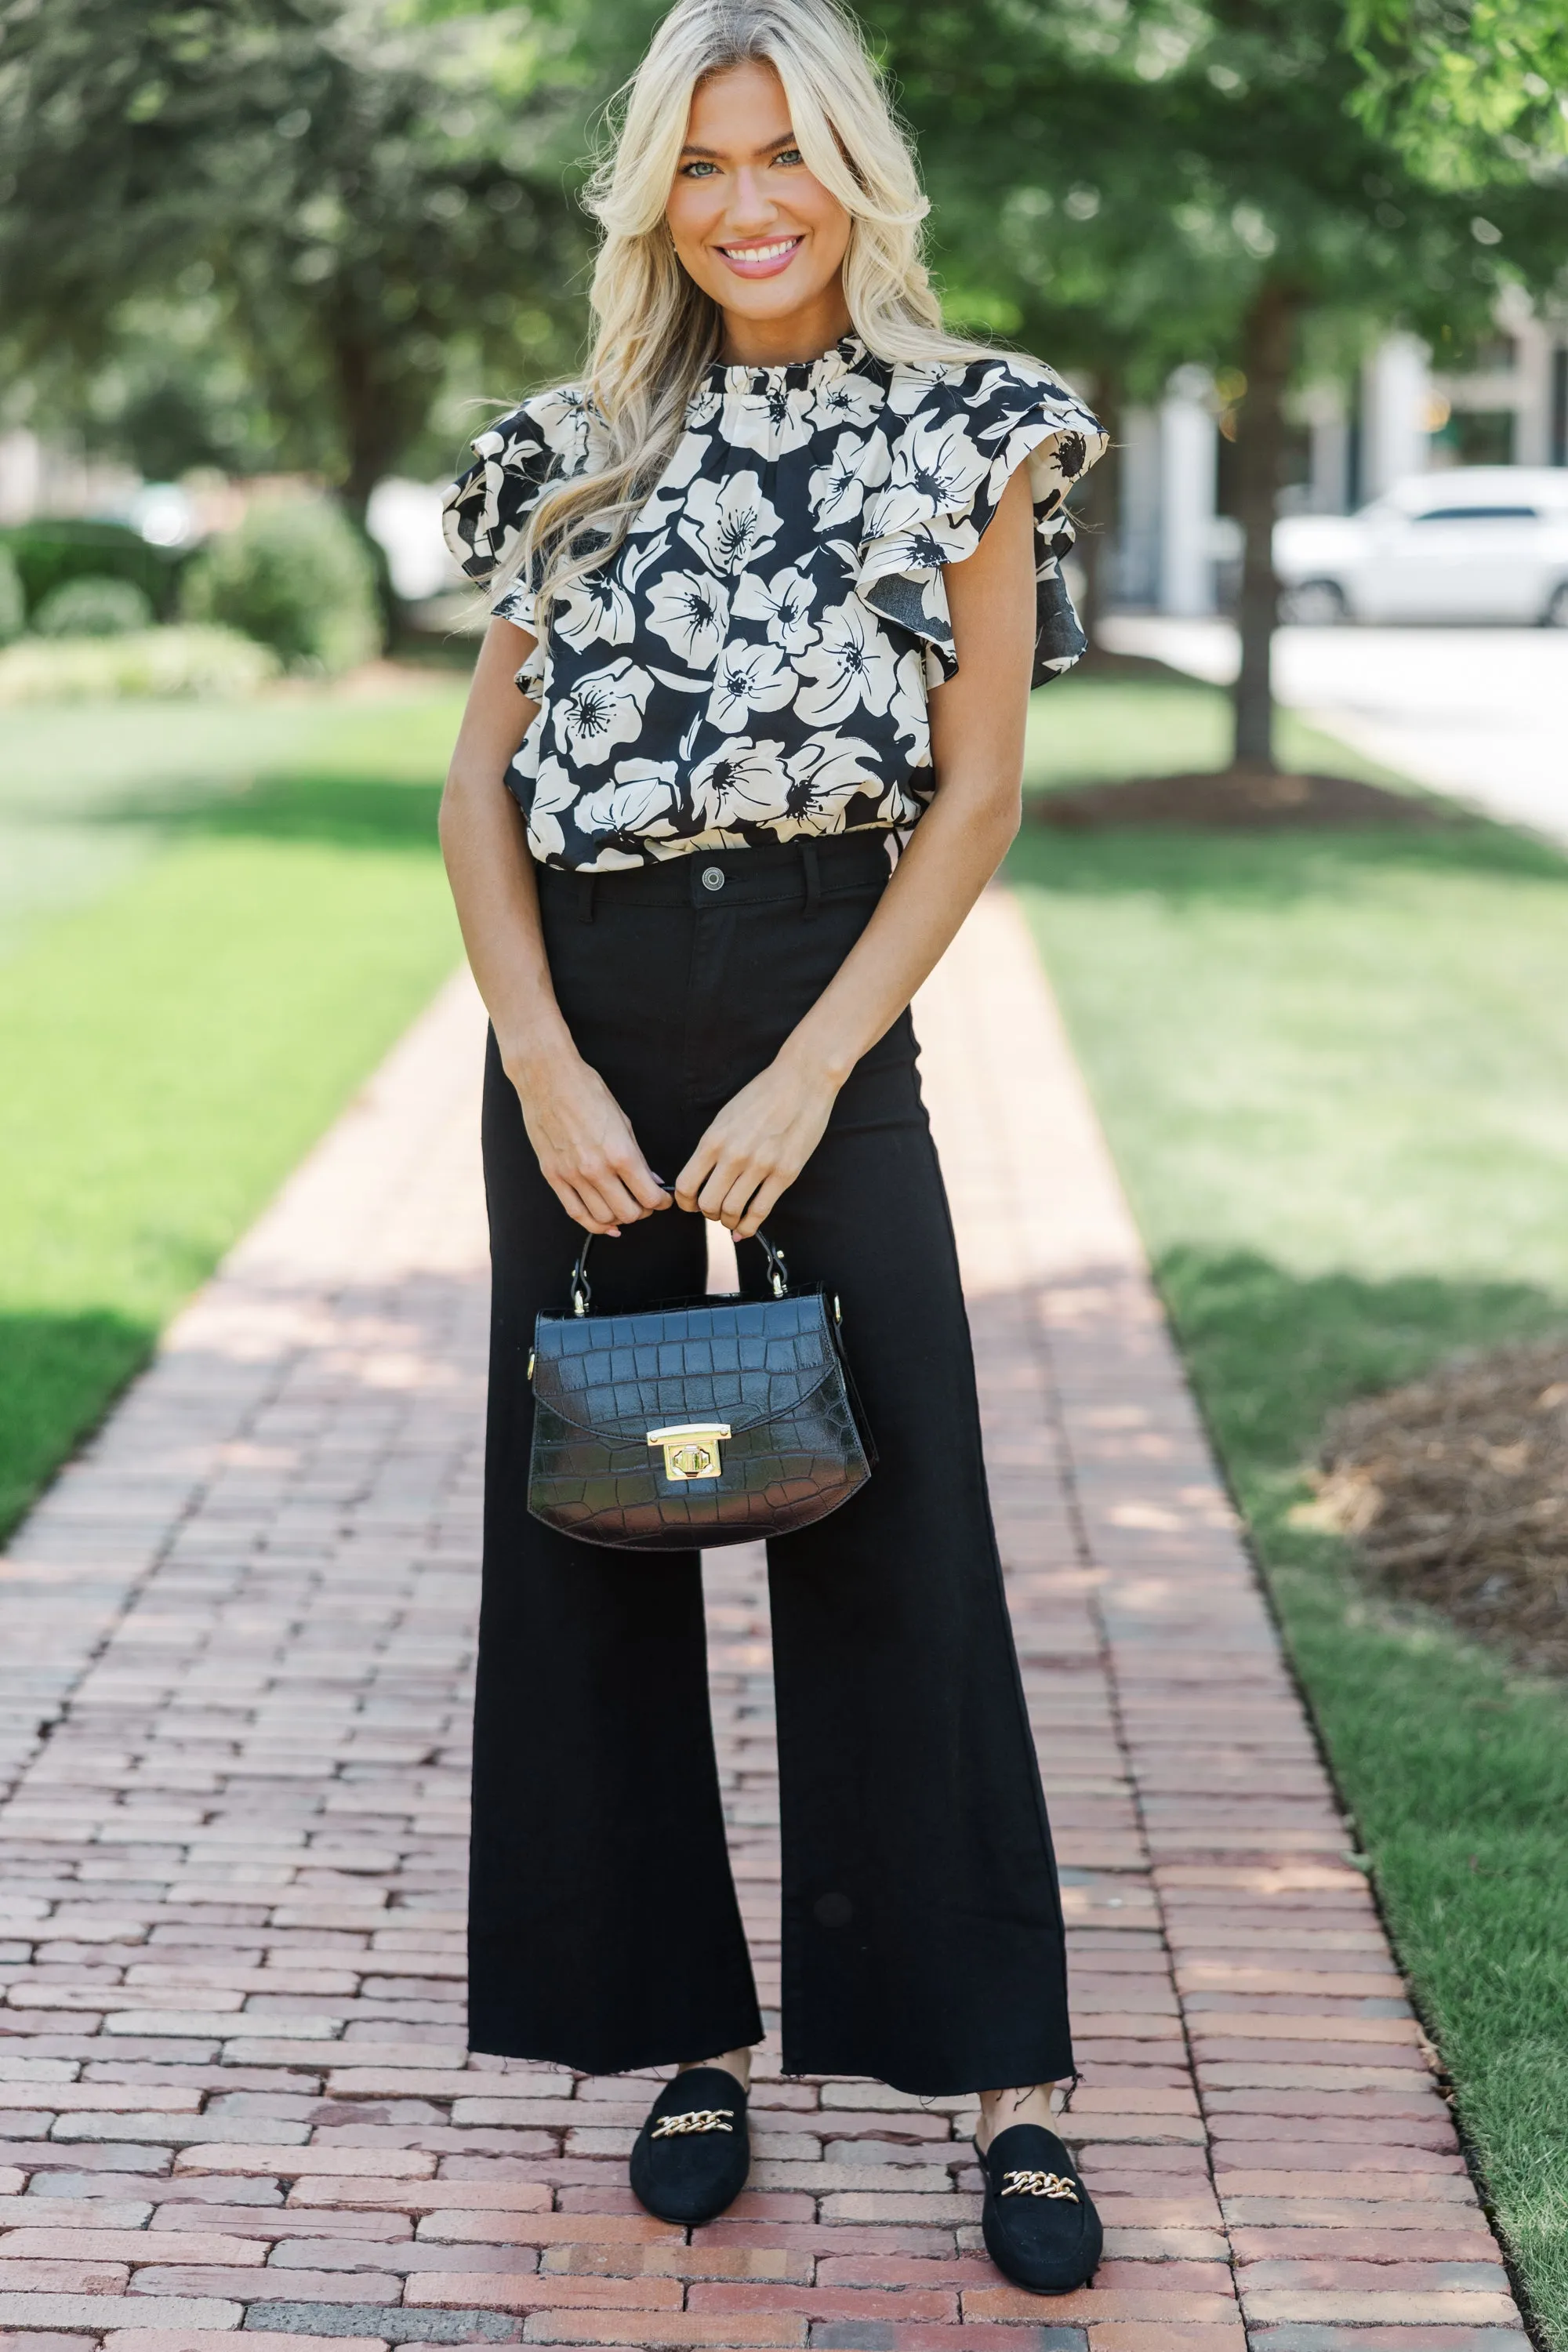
<point>232,1711</point>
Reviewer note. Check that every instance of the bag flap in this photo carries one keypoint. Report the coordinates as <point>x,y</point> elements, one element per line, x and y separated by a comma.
<point>739,1360</point>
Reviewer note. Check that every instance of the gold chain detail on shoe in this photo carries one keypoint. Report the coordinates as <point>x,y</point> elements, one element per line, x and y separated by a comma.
<point>696,2119</point>
<point>1037,2184</point>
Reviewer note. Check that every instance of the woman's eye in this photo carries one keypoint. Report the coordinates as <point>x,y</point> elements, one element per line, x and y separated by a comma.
<point>789,155</point>
<point>696,171</point>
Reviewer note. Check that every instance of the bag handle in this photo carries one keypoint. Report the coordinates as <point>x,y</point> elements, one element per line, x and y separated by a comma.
<point>583,1297</point>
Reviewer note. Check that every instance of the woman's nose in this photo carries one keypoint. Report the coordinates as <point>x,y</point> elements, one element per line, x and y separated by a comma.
<point>750,205</point>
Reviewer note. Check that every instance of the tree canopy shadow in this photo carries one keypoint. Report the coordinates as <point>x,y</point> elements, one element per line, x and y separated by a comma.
<point>1276,867</point>
<point>344,810</point>
<point>1272,1353</point>
<point>349,811</point>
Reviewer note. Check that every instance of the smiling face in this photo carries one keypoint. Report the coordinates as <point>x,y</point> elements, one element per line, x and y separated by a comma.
<point>754,228</point>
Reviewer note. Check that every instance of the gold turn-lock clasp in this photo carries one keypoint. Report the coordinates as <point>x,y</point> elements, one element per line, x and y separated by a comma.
<point>692,1448</point>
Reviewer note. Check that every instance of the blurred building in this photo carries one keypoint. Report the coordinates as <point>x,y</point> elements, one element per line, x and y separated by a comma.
<point>38,476</point>
<point>1177,545</point>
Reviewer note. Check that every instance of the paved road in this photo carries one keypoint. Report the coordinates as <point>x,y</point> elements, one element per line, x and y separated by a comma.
<point>1482,713</point>
<point>233,1712</point>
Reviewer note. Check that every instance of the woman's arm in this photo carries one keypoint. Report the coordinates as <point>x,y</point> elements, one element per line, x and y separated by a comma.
<point>585,1143</point>
<point>762,1140</point>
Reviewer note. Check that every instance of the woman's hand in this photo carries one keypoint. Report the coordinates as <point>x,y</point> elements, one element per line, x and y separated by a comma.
<point>591,1159</point>
<point>758,1145</point>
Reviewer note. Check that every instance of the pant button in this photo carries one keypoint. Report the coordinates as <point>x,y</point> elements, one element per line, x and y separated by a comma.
<point>713,878</point>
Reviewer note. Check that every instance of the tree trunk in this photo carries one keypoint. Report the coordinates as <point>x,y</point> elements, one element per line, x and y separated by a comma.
<point>1268,338</point>
<point>370,446</point>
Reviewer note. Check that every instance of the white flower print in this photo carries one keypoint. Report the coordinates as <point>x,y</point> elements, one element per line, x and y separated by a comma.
<point>770,422</point>
<point>668,498</point>
<point>838,488</point>
<point>515,604</point>
<point>924,664</point>
<point>824,776</point>
<point>502,454</point>
<point>554,788</point>
<point>597,610</point>
<point>853,400</point>
<point>691,611</point>
<point>852,666</point>
<point>599,710</point>
<point>915,382</point>
<point>783,603</point>
<point>546,837</point>
<point>547,796</point>
<point>922,547</point>
<point>743,781</point>
<point>936,469</point>
<point>754,662</point>
<point>572,427</point>
<point>730,522</point>
<point>748,678</point>
<point>702,409</point>
<point>638,800</point>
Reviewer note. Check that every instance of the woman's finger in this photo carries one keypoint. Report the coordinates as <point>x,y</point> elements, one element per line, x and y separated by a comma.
<point>619,1199</point>
<point>737,1199</point>
<point>719,1185</point>
<point>689,1184</point>
<point>568,1198</point>
<point>640,1181</point>
<point>598,1213</point>
<point>762,1206</point>
<point>576,1207</point>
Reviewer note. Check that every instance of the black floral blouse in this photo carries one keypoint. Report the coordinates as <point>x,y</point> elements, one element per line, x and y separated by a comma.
<point>754,662</point>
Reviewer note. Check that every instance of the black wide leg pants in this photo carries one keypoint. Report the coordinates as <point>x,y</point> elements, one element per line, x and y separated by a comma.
<point>922,1929</point>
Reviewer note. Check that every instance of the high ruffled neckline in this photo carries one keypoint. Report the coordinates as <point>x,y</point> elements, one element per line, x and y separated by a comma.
<point>795,375</point>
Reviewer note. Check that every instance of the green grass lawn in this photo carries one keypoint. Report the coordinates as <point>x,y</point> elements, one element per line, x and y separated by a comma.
<point>1100,728</point>
<point>185,1010</point>
<point>1334,1072</point>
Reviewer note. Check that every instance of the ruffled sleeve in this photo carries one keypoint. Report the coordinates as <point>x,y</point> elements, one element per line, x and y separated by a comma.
<point>960,433</point>
<point>547,440</point>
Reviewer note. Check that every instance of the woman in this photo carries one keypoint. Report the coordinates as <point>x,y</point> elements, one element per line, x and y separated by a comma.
<point>773,584</point>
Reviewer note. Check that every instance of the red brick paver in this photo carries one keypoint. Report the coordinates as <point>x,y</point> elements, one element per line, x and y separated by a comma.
<point>234,2094</point>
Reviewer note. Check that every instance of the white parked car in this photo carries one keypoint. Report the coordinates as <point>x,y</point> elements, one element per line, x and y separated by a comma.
<point>1478,543</point>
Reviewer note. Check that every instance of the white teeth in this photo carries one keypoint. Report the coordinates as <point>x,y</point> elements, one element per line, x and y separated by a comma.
<point>761,252</point>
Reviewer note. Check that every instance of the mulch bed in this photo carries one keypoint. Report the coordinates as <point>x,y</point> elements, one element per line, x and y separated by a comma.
<point>1455,1490</point>
<point>1247,798</point>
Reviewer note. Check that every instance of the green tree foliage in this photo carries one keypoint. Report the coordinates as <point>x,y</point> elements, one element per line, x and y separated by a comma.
<point>1125,184</point>
<point>297,224</point>
<point>363,205</point>
<point>1472,89</point>
<point>1133,182</point>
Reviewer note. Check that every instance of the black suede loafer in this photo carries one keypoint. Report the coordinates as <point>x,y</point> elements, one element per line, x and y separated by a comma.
<point>1040,2226</point>
<point>693,2154</point>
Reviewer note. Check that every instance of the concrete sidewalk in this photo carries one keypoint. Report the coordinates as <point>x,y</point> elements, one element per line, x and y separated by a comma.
<point>1477,713</point>
<point>233,1707</point>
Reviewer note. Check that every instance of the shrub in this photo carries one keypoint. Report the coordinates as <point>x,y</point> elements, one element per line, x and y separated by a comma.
<point>54,548</point>
<point>168,661</point>
<point>93,607</point>
<point>295,576</point>
<point>13,603</point>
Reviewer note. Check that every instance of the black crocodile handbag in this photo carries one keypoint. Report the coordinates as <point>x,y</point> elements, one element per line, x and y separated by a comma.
<point>717,1422</point>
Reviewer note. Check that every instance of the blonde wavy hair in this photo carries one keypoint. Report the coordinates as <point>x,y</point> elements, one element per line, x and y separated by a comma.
<point>656,332</point>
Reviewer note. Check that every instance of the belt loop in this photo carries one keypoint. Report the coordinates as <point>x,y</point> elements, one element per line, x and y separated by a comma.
<point>585,885</point>
<point>813,881</point>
